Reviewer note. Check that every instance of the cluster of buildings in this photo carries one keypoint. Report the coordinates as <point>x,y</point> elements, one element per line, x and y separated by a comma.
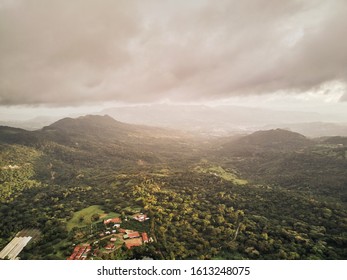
<point>80,252</point>
<point>116,237</point>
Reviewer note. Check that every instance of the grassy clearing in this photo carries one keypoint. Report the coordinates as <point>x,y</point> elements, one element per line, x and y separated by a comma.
<point>83,217</point>
<point>220,172</point>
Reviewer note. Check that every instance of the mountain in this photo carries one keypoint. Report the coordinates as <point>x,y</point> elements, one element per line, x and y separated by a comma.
<point>90,128</point>
<point>86,122</point>
<point>94,130</point>
<point>95,140</point>
<point>314,129</point>
<point>335,140</point>
<point>105,127</point>
<point>290,160</point>
<point>274,140</point>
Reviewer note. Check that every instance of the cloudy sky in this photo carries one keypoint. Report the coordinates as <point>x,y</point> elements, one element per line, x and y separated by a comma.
<point>81,55</point>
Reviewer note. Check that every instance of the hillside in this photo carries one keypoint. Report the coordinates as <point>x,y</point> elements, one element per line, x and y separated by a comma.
<point>335,140</point>
<point>290,160</point>
<point>104,128</point>
<point>100,143</point>
<point>13,135</point>
<point>275,140</point>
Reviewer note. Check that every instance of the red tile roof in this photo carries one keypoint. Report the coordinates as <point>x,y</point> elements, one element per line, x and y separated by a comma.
<point>144,237</point>
<point>79,252</point>
<point>109,247</point>
<point>129,246</point>
<point>133,234</point>
<point>140,217</point>
<point>113,220</point>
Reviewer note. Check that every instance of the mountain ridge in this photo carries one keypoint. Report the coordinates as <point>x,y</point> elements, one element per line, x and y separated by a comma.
<point>277,140</point>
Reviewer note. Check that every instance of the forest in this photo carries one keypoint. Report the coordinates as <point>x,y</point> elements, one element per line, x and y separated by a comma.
<point>268,195</point>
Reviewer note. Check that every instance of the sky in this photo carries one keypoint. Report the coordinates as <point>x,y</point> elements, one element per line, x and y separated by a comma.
<point>80,56</point>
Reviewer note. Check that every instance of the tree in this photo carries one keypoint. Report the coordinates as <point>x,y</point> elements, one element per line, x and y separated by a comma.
<point>95,217</point>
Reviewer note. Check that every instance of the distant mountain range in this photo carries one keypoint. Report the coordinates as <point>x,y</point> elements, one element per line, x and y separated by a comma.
<point>222,120</point>
<point>99,130</point>
<point>93,138</point>
<point>219,120</point>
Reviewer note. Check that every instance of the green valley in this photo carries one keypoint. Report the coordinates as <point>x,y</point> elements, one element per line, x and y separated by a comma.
<point>96,188</point>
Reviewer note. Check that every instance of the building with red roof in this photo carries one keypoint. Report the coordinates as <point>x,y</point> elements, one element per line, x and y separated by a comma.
<point>80,252</point>
<point>131,235</point>
<point>113,220</point>
<point>140,217</point>
<point>144,237</point>
<point>135,242</point>
<point>109,247</point>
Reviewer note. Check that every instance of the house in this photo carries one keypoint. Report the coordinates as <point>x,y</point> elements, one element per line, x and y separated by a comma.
<point>109,246</point>
<point>74,253</point>
<point>144,237</point>
<point>129,246</point>
<point>140,217</point>
<point>121,230</point>
<point>80,252</point>
<point>113,220</point>
<point>131,235</point>
<point>113,239</point>
<point>135,242</point>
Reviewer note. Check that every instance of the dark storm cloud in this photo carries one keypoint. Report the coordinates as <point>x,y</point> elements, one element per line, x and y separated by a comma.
<point>73,52</point>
